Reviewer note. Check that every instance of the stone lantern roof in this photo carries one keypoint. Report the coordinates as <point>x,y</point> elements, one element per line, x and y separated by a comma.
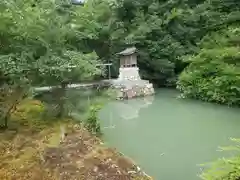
<point>128,51</point>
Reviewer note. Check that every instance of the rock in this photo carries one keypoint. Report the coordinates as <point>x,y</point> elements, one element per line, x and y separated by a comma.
<point>95,169</point>
<point>129,89</point>
<point>132,172</point>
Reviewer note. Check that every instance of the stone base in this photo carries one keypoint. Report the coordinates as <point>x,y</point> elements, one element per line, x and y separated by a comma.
<point>131,89</point>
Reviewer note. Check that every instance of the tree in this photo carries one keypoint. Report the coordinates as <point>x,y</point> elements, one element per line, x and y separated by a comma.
<point>213,74</point>
<point>36,49</point>
<point>164,31</point>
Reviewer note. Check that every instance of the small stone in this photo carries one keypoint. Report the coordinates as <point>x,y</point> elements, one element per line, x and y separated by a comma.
<point>95,169</point>
<point>132,172</point>
<point>114,166</point>
<point>138,168</point>
<point>76,126</point>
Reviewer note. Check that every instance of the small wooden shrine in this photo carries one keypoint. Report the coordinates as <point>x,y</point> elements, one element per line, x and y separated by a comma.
<point>129,82</point>
<point>128,69</point>
<point>128,58</point>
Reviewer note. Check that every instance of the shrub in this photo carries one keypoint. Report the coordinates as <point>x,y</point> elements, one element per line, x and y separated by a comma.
<point>214,73</point>
<point>92,122</point>
<point>225,169</point>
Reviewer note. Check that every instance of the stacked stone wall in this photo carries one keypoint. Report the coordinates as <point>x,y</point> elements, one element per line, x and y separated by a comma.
<point>129,92</point>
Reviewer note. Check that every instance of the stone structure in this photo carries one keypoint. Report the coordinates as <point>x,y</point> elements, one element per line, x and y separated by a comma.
<point>129,83</point>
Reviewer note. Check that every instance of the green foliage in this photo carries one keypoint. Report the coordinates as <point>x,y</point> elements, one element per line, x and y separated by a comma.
<point>92,122</point>
<point>163,31</point>
<point>47,42</point>
<point>213,74</point>
<point>39,46</point>
<point>148,31</point>
<point>225,169</point>
<point>58,69</point>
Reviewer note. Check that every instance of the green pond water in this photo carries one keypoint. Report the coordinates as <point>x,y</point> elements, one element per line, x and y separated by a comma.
<point>169,137</point>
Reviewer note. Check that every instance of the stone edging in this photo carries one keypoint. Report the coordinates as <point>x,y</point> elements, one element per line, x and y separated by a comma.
<point>138,168</point>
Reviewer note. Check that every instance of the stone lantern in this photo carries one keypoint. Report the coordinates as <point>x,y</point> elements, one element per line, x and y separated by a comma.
<point>129,82</point>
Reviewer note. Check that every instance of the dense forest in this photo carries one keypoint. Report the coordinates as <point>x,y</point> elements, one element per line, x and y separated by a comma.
<point>193,45</point>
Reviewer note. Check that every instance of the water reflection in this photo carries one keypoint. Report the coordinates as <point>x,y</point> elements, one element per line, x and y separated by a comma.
<point>127,110</point>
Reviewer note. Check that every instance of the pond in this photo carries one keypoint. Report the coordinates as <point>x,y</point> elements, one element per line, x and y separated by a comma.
<point>169,137</point>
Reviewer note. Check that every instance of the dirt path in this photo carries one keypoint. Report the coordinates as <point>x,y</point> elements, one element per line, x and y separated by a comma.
<point>81,156</point>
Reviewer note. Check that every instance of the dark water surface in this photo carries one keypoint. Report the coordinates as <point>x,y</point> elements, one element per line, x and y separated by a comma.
<point>169,137</point>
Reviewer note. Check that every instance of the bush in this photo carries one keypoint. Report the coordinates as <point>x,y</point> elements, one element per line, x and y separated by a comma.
<point>225,169</point>
<point>214,74</point>
<point>92,122</point>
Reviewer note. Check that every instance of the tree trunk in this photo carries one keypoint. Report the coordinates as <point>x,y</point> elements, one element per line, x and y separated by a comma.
<point>6,118</point>
<point>62,98</point>
<point>10,102</point>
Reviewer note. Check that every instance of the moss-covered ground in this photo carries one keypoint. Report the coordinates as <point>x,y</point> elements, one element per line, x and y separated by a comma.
<point>38,148</point>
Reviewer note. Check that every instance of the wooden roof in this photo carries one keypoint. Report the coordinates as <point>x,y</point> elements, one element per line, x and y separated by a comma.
<point>128,51</point>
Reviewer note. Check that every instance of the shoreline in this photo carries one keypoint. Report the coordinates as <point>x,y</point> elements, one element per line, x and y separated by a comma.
<point>36,149</point>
